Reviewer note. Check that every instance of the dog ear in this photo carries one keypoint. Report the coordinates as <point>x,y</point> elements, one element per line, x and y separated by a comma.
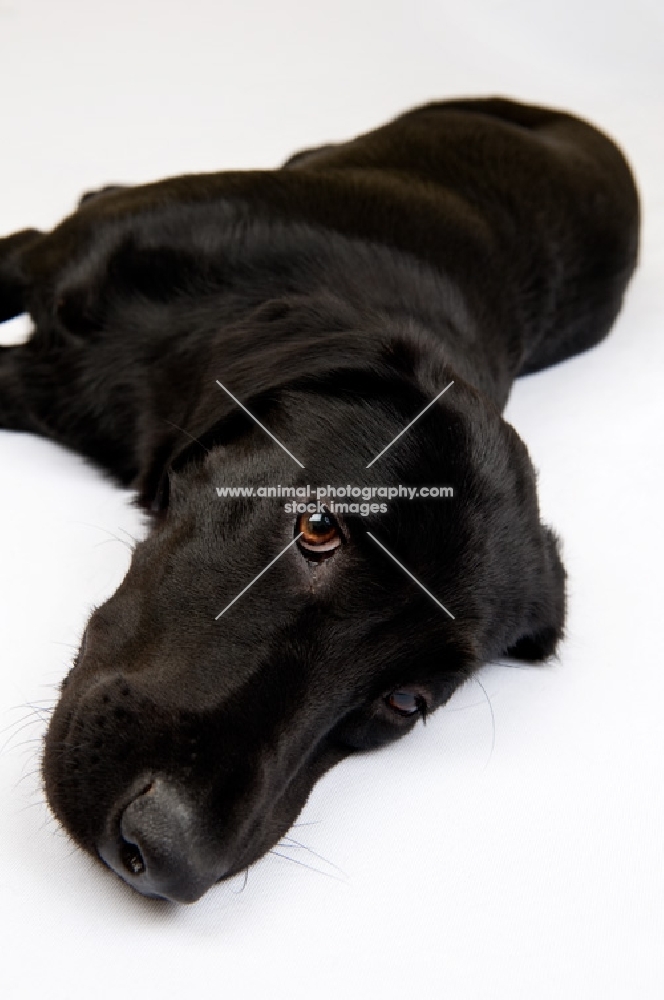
<point>277,347</point>
<point>543,625</point>
<point>526,565</point>
<point>521,575</point>
<point>259,357</point>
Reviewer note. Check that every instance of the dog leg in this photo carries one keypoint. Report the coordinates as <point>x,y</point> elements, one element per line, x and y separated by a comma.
<point>16,413</point>
<point>14,292</point>
<point>59,385</point>
<point>13,282</point>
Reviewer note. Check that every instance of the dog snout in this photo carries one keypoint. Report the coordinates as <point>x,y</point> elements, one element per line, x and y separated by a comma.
<point>154,844</point>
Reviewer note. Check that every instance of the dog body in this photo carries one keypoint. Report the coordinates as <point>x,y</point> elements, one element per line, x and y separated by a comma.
<point>467,242</point>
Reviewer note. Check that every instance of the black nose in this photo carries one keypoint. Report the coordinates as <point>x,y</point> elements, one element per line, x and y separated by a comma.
<point>155,845</point>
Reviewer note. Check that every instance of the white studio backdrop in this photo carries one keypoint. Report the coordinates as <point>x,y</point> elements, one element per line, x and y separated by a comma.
<point>510,849</point>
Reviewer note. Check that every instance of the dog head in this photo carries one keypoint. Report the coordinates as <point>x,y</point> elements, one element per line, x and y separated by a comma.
<point>186,741</point>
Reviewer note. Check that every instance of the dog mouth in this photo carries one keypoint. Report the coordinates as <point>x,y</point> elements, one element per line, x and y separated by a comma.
<point>172,830</point>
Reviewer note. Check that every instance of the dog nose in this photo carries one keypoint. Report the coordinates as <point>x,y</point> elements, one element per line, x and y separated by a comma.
<point>154,845</point>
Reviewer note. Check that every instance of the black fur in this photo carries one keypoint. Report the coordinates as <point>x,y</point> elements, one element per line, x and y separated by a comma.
<point>472,241</point>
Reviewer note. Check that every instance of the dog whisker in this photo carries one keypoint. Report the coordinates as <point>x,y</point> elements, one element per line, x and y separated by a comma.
<point>32,742</point>
<point>296,843</point>
<point>26,725</point>
<point>310,867</point>
<point>464,708</point>
<point>41,801</point>
<point>236,892</point>
<point>132,538</point>
<point>28,776</point>
<point>113,536</point>
<point>493,721</point>
<point>29,712</point>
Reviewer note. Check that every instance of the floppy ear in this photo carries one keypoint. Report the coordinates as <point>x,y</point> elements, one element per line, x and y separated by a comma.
<point>531,554</point>
<point>544,621</point>
<point>521,578</point>
<point>284,343</point>
<point>526,564</point>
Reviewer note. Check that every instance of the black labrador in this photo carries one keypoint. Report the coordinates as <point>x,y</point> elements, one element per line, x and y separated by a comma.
<point>327,303</point>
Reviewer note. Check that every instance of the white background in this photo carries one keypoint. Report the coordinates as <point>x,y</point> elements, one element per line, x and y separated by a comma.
<point>532,868</point>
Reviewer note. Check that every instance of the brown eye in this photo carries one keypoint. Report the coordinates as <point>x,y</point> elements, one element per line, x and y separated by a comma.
<point>406,702</point>
<point>319,534</point>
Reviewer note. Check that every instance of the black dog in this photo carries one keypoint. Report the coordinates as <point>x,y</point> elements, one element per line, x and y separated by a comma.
<point>467,242</point>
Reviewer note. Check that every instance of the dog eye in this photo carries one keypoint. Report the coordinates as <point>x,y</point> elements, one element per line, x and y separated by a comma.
<point>319,534</point>
<point>406,702</point>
